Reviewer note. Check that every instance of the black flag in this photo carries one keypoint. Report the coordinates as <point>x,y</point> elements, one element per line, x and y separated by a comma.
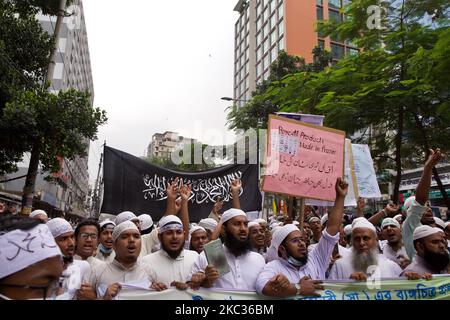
<point>133,184</point>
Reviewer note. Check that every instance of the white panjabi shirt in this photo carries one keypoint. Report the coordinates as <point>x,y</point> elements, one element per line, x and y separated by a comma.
<point>318,261</point>
<point>244,270</point>
<point>161,268</point>
<point>343,268</point>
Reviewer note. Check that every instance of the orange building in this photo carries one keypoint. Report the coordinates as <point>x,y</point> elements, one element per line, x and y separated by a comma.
<point>265,27</point>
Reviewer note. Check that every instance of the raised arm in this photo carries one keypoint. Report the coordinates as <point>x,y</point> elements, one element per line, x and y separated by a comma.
<point>335,217</point>
<point>390,211</point>
<point>360,204</point>
<point>236,186</point>
<point>172,192</point>
<point>185,191</point>
<point>425,180</point>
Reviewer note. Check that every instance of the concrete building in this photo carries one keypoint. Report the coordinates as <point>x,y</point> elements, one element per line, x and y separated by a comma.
<point>72,70</point>
<point>265,27</point>
<point>163,144</point>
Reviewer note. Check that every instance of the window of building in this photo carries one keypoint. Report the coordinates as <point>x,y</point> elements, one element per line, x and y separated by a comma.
<point>259,38</point>
<point>273,6</point>
<point>334,15</point>
<point>281,28</point>
<point>258,24</point>
<point>273,20</point>
<point>273,37</point>
<point>266,14</point>
<point>334,4</point>
<point>274,53</point>
<point>266,61</point>
<point>319,11</point>
<point>322,44</point>
<point>259,53</point>
<point>337,50</point>
<point>259,69</point>
<point>258,9</point>
<point>281,44</point>
<point>319,2</point>
<point>266,45</point>
<point>280,11</point>
<point>266,75</point>
<point>266,30</point>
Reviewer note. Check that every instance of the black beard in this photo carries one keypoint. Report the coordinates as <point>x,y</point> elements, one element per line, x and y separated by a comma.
<point>236,246</point>
<point>172,253</point>
<point>67,260</point>
<point>437,261</point>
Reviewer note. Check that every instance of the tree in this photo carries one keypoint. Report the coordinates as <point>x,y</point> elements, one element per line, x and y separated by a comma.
<point>51,126</point>
<point>381,87</point>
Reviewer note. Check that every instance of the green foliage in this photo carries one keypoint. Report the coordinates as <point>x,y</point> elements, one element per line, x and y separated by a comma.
<point>61,125</point>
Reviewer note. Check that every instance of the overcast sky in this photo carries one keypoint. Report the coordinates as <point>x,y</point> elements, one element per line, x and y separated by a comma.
<point>160,66</point>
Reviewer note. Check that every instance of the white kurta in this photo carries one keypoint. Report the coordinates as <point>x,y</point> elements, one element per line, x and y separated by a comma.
<point>243,273</point>
<point>100,256</point>
<point>109,273</point>
<point>393,255</point>
<point>93,262</point>
<point>343,268</point>
<point>149,243</point>
<point>412,221</point>
<point>318,261</point>
<point>162,268</point>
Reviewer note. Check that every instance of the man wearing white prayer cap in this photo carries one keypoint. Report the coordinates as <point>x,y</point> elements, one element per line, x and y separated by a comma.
<point>146,223</point>
<point>39,215</point>
<point>316,228</point>
<point>393,248</point>
<point>291,270</point>
<point>171,265</point>
<point>439,223</point>
<point>76,272</point>
<point>399,219</point>
<point>364,258</point>
<point>105,251</point>
<point>257,237</point>
<point>198,238</point>
<point>125,267</point>
<point>125,216</point>
<point>209,224</point>
<point>432,255</point>
<point>37,263</point>
<point>244,264</point>
<point>419,213</point>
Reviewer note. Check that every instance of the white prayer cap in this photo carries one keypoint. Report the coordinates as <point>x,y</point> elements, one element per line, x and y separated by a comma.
<point>408,203</point>
<point>390,222</point>
<point>398,217</point>
<point>208,223</point>
<point>169,219</point>
<point>446,225</point>
<point>424,231</point>
<point>106,222</point>
<point>37,212</point>
<point>196,228</point>
<point>348,229</point>
<point>124,216</point>
<point>39,243</point>
<point>124,226</point>
<point>362,222</point>
<point>253,224</point>
<point>295,223</point>
<point>277,238</point>
<point>275,228</point>
<point>231,213</point>
<point>59,226</point>
<point>260,221</point>
<point>439,222</point>
<point>324,219</point>
<point>313,219</point>
<point>146,221</point>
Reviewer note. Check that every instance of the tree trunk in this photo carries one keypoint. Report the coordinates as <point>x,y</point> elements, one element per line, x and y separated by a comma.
<point>28,189</point>
<point>398,155</point>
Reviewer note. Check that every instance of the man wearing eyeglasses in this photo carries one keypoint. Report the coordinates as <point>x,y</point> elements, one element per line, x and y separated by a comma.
<point>86,236</point>
<point>30,260</point>
<point>291,269</point>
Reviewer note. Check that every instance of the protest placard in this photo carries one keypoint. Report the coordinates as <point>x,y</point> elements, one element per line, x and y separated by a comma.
<point>366,177</point>
<point>303,160</point>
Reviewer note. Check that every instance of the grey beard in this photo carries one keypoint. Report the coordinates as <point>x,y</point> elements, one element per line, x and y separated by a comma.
<point>361,261</point>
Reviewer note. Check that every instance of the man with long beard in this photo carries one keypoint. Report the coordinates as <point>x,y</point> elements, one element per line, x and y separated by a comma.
<point>432,255</point>
<point>364,259</point>
<point>244,264</point>
<point>171,265</point>
<point>290,270</point>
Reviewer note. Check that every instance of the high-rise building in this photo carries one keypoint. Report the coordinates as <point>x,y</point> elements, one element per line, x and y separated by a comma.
<point>72,70</point>
<point>163,144</point>
<point>265,27</point>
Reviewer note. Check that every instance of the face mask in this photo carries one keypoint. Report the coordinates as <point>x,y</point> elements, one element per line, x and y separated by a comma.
<point>105,250</point>
<point>295,262</point>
